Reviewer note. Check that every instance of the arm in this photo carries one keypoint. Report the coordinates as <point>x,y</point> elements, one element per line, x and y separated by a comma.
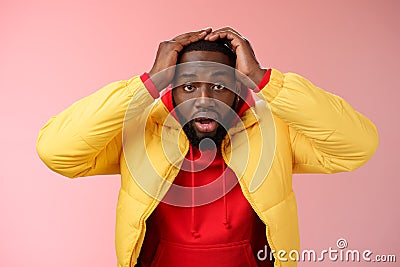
<point>326,133</point>
<point>85,139</point>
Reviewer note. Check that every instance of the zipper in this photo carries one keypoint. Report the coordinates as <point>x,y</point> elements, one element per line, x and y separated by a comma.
<point>146,214</point>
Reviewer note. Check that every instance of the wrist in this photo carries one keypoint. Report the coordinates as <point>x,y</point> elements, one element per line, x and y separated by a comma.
<point>257,75</point>
<point>264,81</point>
<point>160,79</point>
<point>153,77</point>
<point>150,86</point>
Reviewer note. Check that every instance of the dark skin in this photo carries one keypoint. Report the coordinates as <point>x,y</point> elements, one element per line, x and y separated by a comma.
<point>206,96</point>
<point>204,92</point>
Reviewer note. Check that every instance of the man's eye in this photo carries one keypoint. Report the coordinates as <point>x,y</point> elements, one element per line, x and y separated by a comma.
<point>218,86</point>
<point>188,87</point>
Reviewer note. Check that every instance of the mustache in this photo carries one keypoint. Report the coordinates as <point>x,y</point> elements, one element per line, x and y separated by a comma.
<point>206,113</point>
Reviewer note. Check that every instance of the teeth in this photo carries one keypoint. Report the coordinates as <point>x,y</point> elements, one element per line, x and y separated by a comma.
<point>204,120</point>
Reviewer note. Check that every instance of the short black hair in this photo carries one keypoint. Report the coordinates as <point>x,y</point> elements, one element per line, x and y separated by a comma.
<point>220,45</point>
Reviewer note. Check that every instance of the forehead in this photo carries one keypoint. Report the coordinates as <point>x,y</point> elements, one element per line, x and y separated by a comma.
<point>204,65</point>
<point>212,56</point>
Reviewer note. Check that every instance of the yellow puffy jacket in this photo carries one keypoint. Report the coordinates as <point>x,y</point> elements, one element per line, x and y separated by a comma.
<point>295,127</point>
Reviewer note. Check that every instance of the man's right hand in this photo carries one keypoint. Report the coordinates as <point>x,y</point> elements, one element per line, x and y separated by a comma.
<point>167,56</point>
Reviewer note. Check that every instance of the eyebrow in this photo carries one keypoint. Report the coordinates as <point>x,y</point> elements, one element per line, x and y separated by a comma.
<point>220,73</point>
<point>187,75</point>
<point>194,75</point>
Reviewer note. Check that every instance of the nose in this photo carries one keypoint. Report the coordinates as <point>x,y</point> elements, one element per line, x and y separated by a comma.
<point>204,98</point>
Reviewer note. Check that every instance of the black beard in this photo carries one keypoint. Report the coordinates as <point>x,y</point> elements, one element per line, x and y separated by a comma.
<point>195,140</point>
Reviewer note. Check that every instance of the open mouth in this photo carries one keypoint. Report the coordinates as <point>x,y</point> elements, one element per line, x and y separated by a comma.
<point>204,124</point>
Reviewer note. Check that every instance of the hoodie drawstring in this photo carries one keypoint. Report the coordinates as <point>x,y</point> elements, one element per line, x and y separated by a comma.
<point>195,233</point>
<point>226,222</point>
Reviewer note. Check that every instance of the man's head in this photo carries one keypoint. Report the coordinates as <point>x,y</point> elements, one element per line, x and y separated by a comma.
<point>205,90</point>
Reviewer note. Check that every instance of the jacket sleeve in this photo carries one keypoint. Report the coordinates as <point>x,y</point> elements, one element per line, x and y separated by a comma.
<point>327,135</point>
<point>86,138</point>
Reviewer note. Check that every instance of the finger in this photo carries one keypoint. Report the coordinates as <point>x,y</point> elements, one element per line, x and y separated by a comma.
<point>216,35</point>
<point>225,29</point>
<point>193,38</point>
<point>182,40</point>
<point>188,39</point>
<point>219,35</point>
<point>228,29</point>
<point>187,35</point>
<point>234,39</point>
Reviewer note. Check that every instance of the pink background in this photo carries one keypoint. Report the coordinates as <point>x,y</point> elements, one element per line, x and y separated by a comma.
<point>53,53</point>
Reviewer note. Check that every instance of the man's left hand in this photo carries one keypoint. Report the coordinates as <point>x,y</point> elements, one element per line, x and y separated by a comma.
<point>246,61</point>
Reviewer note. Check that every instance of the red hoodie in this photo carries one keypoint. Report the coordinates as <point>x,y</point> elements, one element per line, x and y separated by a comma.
<point>226,232</point>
